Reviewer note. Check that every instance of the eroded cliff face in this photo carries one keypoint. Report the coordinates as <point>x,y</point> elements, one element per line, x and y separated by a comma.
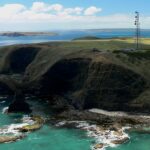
<point>65,76</point>
<point>85,79</point>
<point>87,84</point>
<point>18,59</point>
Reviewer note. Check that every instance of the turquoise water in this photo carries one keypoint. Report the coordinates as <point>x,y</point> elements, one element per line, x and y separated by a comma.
<point>47,138</point>
<point>137,142</point>
<point>52,138</point>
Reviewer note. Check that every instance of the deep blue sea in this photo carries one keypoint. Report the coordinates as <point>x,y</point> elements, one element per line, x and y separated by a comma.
<point>64,35</point>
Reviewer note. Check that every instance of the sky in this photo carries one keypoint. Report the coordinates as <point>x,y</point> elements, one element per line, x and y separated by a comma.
<point>44,15</point>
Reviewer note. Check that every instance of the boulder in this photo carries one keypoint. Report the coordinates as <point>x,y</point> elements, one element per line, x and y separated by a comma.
<point>30,128</point>
<point>120,141</point>
<point>35,126</point>
<point>118,133</point>
<point>4,139</point>
<point>99,146</point>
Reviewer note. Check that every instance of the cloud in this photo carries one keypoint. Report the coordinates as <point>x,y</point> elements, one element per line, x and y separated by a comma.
<point>92,10</point>
<point>38,7</point>
<point>56,7</point>
<point>43,16</point>
<point>8,11</point>
<point>12,8</point>
<point>43,7</point>
<point>41,11</point>
<point>76,10</point>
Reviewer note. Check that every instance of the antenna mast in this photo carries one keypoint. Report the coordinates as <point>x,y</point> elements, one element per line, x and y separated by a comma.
<point>137,24</point>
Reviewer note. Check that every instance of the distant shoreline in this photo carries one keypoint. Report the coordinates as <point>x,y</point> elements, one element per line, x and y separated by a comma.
<point>16,34</point>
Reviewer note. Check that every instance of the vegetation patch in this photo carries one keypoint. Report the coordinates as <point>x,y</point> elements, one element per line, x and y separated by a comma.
<point>145,54</point>
<point>88,38</point>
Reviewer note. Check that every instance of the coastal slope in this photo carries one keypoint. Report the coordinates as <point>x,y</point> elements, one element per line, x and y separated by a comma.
<point>66,74</point>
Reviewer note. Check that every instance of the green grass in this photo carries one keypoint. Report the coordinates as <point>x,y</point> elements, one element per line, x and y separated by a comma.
<point>145,54</point>
<point>109,44</point>
<point>102,44</point>
<point>54,51</point>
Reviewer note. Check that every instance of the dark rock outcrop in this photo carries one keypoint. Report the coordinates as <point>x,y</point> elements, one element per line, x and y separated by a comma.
<point>19,104</point>
<point>5,89</point>
<point>65,75</point>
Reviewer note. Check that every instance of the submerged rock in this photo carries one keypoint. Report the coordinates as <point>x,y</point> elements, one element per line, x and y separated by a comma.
<point>99,146</point>
<point>120,141</point>
<point>4,139</point>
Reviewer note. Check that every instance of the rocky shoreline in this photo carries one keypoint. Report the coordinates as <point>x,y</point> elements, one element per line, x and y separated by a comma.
<point>14,132</point>
<point>108,131</point>
<point>104,137</point>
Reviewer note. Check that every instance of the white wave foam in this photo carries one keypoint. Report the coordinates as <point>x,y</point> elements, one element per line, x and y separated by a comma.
<point>2,102</point>
<point>5,110</point>
<point>104,137</point>
<point>14,128</point>
<point>3,97</point>
<point>59,124</point>
<point>28,120</point>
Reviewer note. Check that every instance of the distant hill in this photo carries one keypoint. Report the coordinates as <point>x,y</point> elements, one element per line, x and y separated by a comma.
<point>16,34</point>
<point>87,38</point>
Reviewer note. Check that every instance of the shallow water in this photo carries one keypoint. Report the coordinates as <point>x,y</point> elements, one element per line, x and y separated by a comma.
<point>137,142</point>
<point>54,138</point>
<point>47,138</point>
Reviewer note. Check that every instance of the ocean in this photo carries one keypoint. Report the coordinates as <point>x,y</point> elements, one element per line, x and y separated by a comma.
<point>70,35</point>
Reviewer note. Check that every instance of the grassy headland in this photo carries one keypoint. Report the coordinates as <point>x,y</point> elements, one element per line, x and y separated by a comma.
<point>85,71</point>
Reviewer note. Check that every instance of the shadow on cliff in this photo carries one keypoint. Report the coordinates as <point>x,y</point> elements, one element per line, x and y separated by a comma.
<point>87,84</point>
<point>85,79</point>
